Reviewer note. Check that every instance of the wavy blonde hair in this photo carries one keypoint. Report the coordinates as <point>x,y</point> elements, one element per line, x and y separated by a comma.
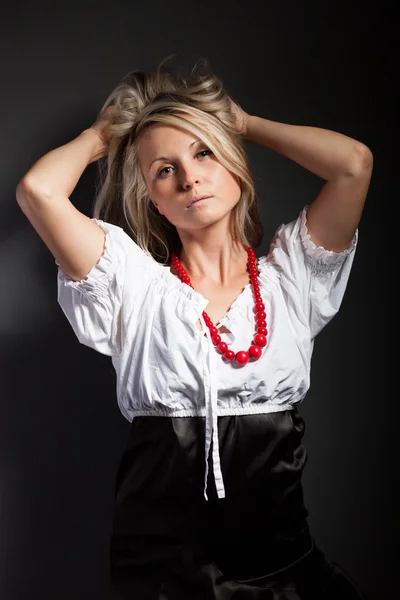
<point>197,103</point>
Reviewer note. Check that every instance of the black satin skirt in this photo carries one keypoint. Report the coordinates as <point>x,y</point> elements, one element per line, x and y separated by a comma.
<point>169,543</point>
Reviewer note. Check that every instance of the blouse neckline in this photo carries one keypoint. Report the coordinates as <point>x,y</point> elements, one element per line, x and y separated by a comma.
<point>198,298</point>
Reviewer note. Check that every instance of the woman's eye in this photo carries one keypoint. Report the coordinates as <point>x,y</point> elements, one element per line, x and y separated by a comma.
<point>163,171</point>
<point>202,151</point>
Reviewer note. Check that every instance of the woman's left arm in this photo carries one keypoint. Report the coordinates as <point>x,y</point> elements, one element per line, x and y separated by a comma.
<point>344,163</point>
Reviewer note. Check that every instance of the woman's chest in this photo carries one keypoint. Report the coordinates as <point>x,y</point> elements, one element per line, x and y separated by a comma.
<point>220,298</point>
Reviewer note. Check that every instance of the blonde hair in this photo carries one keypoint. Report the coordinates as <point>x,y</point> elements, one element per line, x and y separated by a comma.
<point>197,103</point>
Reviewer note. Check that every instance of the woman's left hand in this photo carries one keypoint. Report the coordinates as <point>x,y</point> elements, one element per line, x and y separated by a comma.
<point>242,118</point>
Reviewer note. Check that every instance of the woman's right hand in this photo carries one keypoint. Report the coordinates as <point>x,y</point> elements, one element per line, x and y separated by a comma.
<point>100,127</point>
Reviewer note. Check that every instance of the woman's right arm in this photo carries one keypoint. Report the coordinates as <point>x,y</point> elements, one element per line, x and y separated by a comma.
<point>76,242</point>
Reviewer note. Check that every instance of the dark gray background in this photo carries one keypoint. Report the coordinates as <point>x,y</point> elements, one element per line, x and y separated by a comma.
<point>61,433</point>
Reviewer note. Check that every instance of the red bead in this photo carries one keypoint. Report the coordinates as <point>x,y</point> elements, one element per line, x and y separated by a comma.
<point>261,314</point>
<point>261,323</point>
<point>262,330</point>
<point>223,347</point>
<point>260,339</point>
<point>242,357</point>
<point>259,305</point>
<point>216,338</point>
<point>213,330</point>
<point>229,355</point>
<point>255,351</point>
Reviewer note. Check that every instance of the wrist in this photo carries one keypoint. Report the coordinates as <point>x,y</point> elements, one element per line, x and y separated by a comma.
<point>95,142</point>
<point>251,126</point>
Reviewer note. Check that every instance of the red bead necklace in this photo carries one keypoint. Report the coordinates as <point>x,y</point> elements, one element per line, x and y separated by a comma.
<point>260,339</point>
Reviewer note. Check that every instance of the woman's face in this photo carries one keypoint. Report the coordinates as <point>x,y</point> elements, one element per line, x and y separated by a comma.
<point>177,166</point>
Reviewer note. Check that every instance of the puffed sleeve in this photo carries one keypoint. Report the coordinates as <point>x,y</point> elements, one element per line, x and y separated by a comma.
<point>93,305</point>
<point>313,279</point>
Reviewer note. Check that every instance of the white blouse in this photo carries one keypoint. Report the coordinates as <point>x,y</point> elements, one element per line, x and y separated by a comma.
<point>135,310</point>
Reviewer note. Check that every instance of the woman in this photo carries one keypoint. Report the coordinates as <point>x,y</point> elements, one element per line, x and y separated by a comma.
<point>211,346</point>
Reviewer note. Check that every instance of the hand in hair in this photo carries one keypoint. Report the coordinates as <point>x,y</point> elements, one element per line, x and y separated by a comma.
<point>101,126</point>
<point>241,118</point>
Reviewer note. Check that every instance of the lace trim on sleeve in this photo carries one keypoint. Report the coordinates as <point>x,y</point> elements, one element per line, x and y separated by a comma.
<point>98,279</point>
<point>318,258</point>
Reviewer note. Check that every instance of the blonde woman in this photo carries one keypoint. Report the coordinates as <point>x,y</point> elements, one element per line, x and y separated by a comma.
<point>211,344</point>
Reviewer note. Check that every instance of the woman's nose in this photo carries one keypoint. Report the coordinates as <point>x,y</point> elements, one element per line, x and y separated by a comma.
<point>190,183</point>
<point>189,179</point>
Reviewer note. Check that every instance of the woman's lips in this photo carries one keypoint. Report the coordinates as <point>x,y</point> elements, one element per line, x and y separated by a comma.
<point>196,202</point>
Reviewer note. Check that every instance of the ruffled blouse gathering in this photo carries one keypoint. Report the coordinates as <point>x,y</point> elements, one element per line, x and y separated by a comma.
<point>133,309</point>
